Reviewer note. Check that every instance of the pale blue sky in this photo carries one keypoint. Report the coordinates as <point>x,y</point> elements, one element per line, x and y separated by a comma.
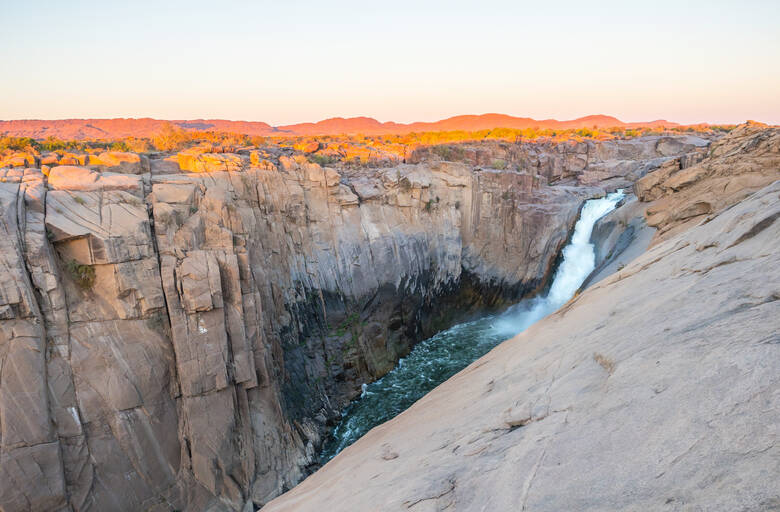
<point>291,61</point>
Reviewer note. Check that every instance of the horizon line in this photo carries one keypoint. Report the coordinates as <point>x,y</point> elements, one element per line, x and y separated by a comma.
<point>348,118</point>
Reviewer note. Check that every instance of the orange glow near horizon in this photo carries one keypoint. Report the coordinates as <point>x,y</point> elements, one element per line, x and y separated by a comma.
<point>403,62</point>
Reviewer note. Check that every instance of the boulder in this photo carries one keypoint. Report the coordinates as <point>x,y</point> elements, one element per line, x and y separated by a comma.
<point>199,159</point>
<point>120,161</point>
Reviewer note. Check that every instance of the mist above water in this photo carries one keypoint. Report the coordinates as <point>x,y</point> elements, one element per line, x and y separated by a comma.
<point>579,260</point>
<point>438,358</point>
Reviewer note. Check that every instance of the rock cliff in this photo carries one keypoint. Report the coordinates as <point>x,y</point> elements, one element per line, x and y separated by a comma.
<point>654,389</point>
<point>687,190</point>
<point>177,333</point>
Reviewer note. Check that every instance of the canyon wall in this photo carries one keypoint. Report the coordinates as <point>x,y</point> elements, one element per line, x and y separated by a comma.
<point>656,388</point>
<point>177,333</point>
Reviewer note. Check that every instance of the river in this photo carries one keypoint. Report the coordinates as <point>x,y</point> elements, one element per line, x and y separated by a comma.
<point>438,358</point>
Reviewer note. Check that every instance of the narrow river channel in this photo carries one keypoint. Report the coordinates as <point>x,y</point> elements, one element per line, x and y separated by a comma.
<point>438,358</point>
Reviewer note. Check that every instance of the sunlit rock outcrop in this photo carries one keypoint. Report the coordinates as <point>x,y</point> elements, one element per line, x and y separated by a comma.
<point>685,190</point>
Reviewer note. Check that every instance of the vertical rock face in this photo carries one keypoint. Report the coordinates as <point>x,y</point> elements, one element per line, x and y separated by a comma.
<point>177,340</point>
<point>31,462</point>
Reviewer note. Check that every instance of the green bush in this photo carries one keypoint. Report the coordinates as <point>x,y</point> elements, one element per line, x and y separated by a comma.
<point>349,322</point>
<point>82,275</point>
<point>499,164</point>
<point>449,153</point>
<point>322,160</point>
<point>16,143</point>
<point>120,146</point>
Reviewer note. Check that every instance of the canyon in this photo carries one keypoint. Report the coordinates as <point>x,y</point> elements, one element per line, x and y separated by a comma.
<point>654,389</point>
<point>181,330</point>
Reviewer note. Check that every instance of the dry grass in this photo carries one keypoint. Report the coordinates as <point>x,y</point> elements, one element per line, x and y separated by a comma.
<point>605,362</point>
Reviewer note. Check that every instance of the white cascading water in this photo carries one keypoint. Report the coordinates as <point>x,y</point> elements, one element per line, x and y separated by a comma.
<point>434,360</point>
<point>579,260</point>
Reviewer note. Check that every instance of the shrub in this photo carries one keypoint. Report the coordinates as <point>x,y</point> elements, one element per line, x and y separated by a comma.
<point>258,141</point>
<point>587,132</point>
<point>16,143</point>
<point>355,161</point>
<point>52,143</point>
<point>131,144</point>
<point>82,275</point>
<point>499,164</point>
<point>605,362</point>
<point>170,138</point>
<point>119,146</point>
<point>322,160</point>
<point>449,153</point>
<point>723,128</point>
<point>350,321</point>
<point>630,133</point>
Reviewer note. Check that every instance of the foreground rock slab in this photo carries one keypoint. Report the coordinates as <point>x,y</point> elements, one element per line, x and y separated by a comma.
<point>656,389</point>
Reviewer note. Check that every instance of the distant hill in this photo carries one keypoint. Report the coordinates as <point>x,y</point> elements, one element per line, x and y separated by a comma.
<point>145,127</point>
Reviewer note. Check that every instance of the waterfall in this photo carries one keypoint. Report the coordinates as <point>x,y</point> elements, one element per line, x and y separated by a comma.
<point>579,260</point>
<point>438,358</point>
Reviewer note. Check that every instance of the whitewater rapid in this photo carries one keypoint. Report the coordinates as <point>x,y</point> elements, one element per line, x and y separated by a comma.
<point>436,359</point>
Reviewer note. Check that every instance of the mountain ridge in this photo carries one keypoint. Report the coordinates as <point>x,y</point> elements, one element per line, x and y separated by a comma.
<point>104,128</point>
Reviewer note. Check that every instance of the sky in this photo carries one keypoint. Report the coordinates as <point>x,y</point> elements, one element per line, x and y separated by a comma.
<point>292,61</point>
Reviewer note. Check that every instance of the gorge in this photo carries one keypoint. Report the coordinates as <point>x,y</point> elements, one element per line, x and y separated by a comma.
<point>181,330</point>
<point>436,359</point>
<point>653,389</point>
